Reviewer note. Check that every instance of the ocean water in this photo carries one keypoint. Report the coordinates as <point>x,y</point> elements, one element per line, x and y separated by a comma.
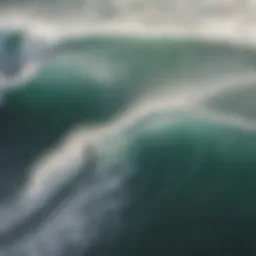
<point>127,128</point>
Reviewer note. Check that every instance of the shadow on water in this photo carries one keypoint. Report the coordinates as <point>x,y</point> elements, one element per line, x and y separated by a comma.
<point>190,193</point>
<point>32,122</point>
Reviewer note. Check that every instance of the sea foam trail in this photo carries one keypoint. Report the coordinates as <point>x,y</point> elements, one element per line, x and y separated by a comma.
<point>95,136</point>
<point>164,79</point>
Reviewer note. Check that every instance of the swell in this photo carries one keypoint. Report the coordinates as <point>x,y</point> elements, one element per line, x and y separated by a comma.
<point>190,182</point>
<point>98,81</point>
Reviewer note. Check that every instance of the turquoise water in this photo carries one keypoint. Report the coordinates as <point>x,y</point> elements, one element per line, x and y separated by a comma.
<point>169,139</point>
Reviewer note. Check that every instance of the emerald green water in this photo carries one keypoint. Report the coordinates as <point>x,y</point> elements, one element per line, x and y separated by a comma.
<point>183,181</point>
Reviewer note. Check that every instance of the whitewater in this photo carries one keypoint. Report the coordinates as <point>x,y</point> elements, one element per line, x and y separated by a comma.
<point>127,128</point>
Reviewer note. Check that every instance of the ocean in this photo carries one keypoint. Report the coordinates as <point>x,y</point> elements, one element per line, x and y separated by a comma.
<point>127,128</point>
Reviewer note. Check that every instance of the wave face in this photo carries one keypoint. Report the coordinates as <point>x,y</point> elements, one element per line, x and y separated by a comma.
<point>126,144</point>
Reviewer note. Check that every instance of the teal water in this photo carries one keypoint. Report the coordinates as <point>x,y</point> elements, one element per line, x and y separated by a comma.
<point>178,179</point>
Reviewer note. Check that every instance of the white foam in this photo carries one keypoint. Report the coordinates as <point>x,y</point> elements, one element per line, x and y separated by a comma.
<point>220,20</point>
